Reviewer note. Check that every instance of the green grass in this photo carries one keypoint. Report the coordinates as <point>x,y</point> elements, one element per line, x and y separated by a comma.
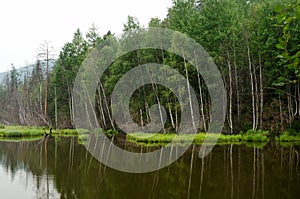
<point>29,131</point>
<point>83,138</point>
<point>72,131</point>
<point>20,131</point>
<point>285,137</point>
<point>197,138</point>
<point>255,138</point>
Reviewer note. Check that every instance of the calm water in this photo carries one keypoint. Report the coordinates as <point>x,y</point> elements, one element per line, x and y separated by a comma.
<point>64,169</point>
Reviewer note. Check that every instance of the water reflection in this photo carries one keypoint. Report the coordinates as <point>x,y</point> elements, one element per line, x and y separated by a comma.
<point>62,168</point>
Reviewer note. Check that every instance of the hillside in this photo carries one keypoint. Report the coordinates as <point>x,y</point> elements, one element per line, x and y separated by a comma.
<point>25,70</point>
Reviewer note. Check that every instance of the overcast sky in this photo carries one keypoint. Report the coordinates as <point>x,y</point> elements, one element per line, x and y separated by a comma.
<point>25,24</point>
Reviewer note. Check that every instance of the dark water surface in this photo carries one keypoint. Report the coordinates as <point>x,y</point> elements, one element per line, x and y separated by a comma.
<point>63,168</point>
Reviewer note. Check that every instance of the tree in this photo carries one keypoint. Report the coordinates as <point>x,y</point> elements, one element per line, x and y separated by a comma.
<point>46,54</point>
<point>14,79</point>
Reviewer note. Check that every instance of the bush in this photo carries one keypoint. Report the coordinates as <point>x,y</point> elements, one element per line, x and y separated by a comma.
<point>291,132</point>
<point>255,138</point>
<point>2,126</point>
<point>285,137</point>
<point>111,132</point>
<point>258,132</point>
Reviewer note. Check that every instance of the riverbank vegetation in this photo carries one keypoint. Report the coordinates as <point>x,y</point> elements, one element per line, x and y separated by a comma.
<point>250,138</point>
<point>29,131</point>
<point>152,139</point>
<point>198,138</point>
<point>255,44</point>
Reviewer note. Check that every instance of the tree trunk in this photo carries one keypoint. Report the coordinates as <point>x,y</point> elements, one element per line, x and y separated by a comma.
<point>101,109</point>
<point>47,84</point>
<point>71,106</point>
<point>261,93</point>
<point>256,98</point>
<point>171,117</point>
<point>91,108</point>
<point>107,107</point>
<point>189,92</point>
<point>55,107</point>
<point>200,95</point>
<point>41,96</point>
<point>290,106</point>
<point>281,114</point>
<point>176,119</point>
<point>252,88</point>
<point>155,89</point>
<point>230,93</point>
<point>298,88</point>
<point>237,90</point>
<point>141,118</point>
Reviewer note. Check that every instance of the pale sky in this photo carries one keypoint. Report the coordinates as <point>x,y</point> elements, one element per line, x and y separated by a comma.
<point>25,24</point>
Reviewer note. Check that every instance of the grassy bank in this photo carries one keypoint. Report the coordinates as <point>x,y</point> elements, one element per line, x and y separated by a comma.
<point>287,137</point>
<point>248,137</point>
<point>28,131</point>
<point>198,138</point>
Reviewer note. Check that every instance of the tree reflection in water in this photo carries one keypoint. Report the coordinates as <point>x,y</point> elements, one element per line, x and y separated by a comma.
<point>62,168</point>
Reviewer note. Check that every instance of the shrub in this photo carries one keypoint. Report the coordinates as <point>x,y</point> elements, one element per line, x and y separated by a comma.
<point>111,132</point>
<point>285,137</point>
<point>291,132</point>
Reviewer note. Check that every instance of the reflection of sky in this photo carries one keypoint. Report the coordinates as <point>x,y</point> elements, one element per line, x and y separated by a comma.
<point>23,185</point>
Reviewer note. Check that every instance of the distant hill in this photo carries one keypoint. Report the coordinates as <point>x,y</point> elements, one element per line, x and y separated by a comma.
<point>2,77</point>
<point>25,69</point>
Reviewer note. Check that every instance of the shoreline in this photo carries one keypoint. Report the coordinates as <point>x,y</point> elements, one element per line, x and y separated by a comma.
<point>262,137</point>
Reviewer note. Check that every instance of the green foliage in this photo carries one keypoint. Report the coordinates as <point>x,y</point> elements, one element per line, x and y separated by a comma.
<point>72,131</point>
<point>198,138</point>
<point>288,19</point>
<point>14,79</point>
<point>286,138</point>
<point>83,138</point>
<point>20,131</point>
<point>289,136</point>
<point>111,132</point>
<point>27,131</point>
<point>255,138</point>
<point>290,132</point>
<point>258,132</point>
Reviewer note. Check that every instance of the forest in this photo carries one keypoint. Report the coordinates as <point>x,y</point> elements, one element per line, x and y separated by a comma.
<point>255,44</point>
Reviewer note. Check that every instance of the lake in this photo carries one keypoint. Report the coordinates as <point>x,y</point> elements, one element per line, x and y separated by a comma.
<point>62,168</point>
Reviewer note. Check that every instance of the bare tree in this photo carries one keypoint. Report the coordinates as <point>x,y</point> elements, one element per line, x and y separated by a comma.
<point>46,53</point>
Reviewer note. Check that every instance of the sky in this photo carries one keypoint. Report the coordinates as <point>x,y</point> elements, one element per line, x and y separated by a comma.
<point>25,24</point>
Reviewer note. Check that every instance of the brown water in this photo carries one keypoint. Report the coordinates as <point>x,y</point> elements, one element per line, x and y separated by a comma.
<point>62,168</point>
